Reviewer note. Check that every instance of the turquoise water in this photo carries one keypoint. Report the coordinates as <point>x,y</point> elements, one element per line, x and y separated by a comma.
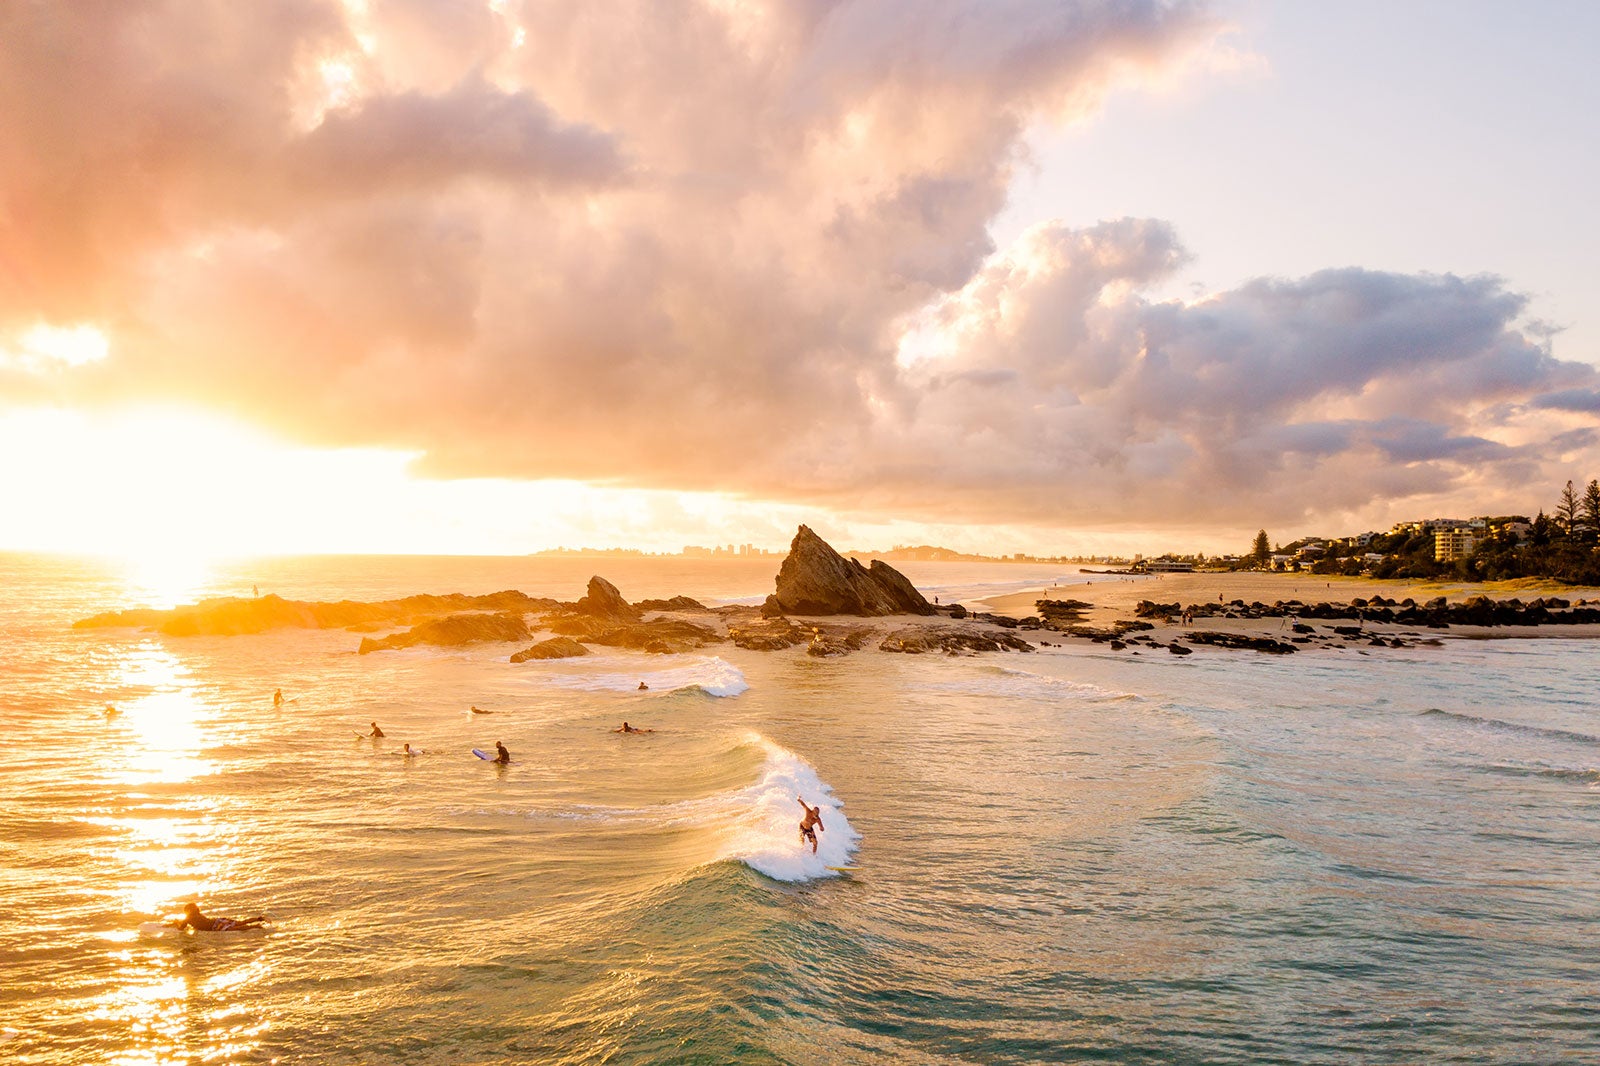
<point>1072,855</point>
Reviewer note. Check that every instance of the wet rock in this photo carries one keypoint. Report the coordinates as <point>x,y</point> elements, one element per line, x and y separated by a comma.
<point>952,640</point>
<point>660,636</point>
<point>772,634</point>
<point>554,648</point>
<point>1242,641</point>
<point>455,631</point>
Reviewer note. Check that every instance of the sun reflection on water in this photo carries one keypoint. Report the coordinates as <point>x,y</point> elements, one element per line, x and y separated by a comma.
<point>167,579</point>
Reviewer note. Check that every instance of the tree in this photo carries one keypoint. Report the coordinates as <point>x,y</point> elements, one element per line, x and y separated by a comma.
<point>1567,509</point>
<point>1591,505</point>
<point>1541,530</point>
<point>1262,552</point>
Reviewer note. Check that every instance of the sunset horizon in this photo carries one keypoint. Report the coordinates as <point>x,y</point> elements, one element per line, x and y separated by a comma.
<point>434,280</point>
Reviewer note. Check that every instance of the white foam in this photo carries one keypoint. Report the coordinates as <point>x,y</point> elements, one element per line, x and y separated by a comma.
<point>766,834</point>
<point>758,825</point>
<point>709,674</point>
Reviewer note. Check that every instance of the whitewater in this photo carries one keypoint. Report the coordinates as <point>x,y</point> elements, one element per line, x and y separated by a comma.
<point>1059,856</point>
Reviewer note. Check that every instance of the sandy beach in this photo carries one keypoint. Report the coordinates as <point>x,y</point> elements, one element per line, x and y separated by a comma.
<point>1115,597</point>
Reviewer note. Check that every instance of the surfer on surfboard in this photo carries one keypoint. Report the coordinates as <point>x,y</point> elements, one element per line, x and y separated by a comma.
<point>810,824</point>
<point>626,728</point>
<point>201,924</point>
<point>504,756</point>
<point>376,732</point>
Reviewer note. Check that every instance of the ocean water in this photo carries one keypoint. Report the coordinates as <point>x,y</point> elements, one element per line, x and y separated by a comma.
<point>1072,855</point>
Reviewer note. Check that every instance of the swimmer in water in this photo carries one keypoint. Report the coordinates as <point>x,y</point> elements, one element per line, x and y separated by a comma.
<point>810,824</point>
<point>376,732</point>
<point>643,687</point>
<point>504,756</point>
<point>626,728</point>
<point>201,924</point>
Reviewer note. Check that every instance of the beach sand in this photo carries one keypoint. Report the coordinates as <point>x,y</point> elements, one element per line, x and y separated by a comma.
<point>1114,598</point>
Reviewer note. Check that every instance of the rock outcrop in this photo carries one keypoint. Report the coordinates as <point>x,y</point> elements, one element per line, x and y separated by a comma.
<point>235,616</point>
<point>816,580</point>
<point>604,601</point>
<point>455,631</point>
<point>952,640</point>
<point>554,648</point>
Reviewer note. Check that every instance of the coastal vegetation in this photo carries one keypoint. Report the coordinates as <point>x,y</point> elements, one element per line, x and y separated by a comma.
<point>1563,546</point>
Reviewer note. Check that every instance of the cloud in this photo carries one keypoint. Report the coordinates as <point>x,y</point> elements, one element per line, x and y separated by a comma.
<point>680,245</point>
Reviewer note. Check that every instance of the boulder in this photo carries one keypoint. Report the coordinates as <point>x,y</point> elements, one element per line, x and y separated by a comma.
<point>455,631</point>
<point>952,640</point>
<point>771,634</point>
<point>554,648</point>
<point>677,603</point>
<point>816,580</point>
<point>660,636</point>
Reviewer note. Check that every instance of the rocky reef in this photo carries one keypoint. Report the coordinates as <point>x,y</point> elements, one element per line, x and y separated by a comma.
<point>457,630</point>
<point>236,616</point>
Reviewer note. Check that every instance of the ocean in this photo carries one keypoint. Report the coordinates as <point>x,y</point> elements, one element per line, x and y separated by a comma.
<point>1071,855</point>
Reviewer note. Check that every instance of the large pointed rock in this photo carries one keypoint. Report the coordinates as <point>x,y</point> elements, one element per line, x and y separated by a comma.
<point>604,601</point>
<point>816,580</point>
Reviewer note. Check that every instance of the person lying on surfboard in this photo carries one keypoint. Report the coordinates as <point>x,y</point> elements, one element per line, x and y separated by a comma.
<point>504,756</point>
<point>626,728</point>
<point>201,924</point>
<point>813,818</point>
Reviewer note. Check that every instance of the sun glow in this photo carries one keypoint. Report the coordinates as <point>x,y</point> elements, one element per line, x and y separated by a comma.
<point>45,346</point>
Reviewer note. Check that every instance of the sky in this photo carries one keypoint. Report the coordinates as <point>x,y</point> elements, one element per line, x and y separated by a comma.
<point>485,276</point>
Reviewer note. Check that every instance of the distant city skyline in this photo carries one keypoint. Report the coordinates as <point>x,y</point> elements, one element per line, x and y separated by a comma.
<point>1025,277</point>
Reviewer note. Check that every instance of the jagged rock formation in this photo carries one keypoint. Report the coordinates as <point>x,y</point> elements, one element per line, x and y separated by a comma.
<point>816,580</point>
<point>604,601</point>
<point>554,648</point>
<point>455,631</point>
<point>233,616</point>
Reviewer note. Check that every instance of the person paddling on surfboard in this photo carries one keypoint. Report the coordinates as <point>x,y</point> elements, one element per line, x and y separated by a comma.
<point>376,732</point>
<point>626,728</point>
<point>504,756</point>
<point>812,819</point>
<point>201,924</point>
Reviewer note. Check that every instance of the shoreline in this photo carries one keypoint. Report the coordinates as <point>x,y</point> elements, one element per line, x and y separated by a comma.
<point>1114,600</point>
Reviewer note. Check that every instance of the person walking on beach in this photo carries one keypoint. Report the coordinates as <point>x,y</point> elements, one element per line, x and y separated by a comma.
<point>810,824</point>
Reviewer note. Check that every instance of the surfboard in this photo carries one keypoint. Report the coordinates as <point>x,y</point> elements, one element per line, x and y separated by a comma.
<point>487,756</point>
<point>844,869</point>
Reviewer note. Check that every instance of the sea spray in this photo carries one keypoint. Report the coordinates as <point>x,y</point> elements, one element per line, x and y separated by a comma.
<point>765,835</point>
<point>757,824</point>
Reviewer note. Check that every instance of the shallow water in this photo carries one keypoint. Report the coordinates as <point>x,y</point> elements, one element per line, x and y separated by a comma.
<point>1071,855</point>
